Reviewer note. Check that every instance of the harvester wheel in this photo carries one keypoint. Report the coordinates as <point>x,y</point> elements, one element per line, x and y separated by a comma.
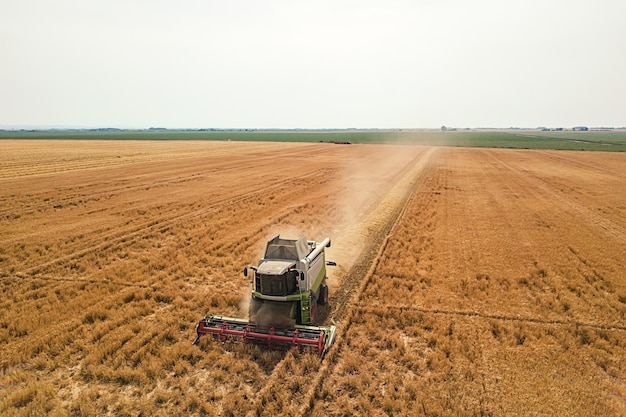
<point>298,312</point>
<point>323,298</point>
<point>313,310</point>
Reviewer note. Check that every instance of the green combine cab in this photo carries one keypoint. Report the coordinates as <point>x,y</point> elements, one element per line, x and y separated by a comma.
<point>290,279</point>
<point>288,285</point>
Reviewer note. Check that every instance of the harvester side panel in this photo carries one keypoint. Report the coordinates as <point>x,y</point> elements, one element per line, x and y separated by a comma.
<point>316,273</point>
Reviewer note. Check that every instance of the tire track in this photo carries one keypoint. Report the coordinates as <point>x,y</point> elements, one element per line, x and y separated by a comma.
<point>552,155</point>
<point>385,217</point>
<point>462,223</point>
<point>82,194</point>
<point>384,309</point>
<point>536,183</point>
<point>128,237</point>
<point>368,263</point>
<point>129,153</point>
<point>40,336</point>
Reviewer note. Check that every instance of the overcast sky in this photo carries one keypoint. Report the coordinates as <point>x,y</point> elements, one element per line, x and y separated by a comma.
<point>314,64</point>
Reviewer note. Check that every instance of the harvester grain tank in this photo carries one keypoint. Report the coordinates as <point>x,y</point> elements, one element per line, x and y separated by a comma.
<point>288,284</point>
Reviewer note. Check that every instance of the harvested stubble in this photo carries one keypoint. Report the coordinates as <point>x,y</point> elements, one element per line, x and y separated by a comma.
<point>499,292</point>
<point>112,251</point>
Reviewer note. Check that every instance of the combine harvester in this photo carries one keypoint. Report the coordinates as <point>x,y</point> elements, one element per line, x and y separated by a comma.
<point>287,286</point>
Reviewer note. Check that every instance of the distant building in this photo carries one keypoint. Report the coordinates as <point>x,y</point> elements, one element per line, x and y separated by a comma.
<point>581,128</point>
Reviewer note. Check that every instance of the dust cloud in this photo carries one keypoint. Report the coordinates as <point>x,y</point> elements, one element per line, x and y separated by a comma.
<point>274,315</point>
<point>369,189</point>
<point>244,304</point>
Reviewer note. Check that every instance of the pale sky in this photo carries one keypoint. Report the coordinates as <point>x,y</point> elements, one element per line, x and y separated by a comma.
<point>313,64</point>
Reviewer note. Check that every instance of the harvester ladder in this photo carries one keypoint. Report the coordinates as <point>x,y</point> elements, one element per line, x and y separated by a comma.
<point>305,310</point>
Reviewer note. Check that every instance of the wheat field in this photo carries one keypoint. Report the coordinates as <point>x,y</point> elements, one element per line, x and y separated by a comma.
<point>469,281</point>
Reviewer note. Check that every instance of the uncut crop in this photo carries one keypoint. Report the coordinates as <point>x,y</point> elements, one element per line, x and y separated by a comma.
<point>494,295</point>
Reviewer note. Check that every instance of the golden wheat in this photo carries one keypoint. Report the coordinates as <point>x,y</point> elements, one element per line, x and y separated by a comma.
<point>495,294</point>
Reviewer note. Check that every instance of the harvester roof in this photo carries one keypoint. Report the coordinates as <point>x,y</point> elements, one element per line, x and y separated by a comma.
<point>274,267</point>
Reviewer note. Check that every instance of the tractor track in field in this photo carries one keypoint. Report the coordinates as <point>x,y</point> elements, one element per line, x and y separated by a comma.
<point>127,237</point>
<point>117,187</point>
<point>59,165</point>
<point>81,194</point>
<point>474,289</point>
<point>342,296</point>
<point>552,155</point>
<point>351,288</point>
<point>543,186</point>
<point>383,309</point>
<point>360,276</point>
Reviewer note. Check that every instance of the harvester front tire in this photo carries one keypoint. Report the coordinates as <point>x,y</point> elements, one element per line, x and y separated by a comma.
<point>298,312</point>
<point>323,298</point>
<point>313,310</point>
